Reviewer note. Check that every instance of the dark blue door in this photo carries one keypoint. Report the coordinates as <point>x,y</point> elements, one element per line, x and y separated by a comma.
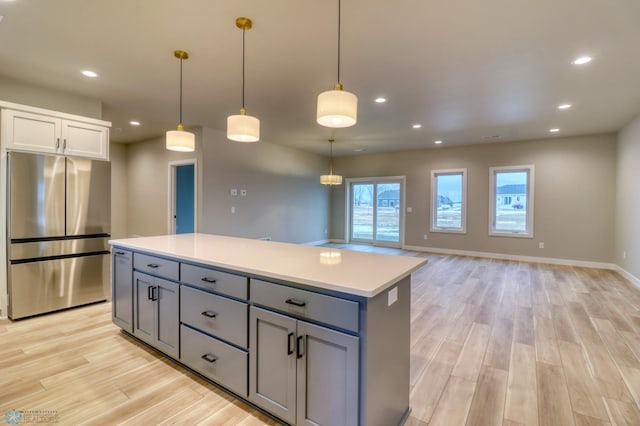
<point>184,199</point>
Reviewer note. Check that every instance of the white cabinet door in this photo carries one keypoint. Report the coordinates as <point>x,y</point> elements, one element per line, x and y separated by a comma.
<point>30,132</point>
<point>85,140</point>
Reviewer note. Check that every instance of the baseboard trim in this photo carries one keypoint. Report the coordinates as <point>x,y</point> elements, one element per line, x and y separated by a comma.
<point>338,241</point>
<point>628,275</point>
<point>503,256</point>
<point>316,243</point>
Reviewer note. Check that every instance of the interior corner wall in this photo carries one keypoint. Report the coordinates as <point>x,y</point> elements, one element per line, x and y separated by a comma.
<point>575,187</point>
<point>26,94</point>
<point>627,241</point>
<point>284,201</point>
<point>119,189</point>
<point>148,185</point>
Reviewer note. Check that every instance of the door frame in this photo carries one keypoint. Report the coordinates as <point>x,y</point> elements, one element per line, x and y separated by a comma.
<point>375,180</point>
<point>171,207</point>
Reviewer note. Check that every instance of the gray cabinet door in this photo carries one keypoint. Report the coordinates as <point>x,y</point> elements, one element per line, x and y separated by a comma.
<point>144,308</point>
<point>122,297</point>
<point>272,360</point>
<point>327,377</point>
<point>167,316</point>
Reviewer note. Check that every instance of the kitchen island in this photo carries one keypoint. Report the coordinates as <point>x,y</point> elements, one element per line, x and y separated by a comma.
<point>312,335</point>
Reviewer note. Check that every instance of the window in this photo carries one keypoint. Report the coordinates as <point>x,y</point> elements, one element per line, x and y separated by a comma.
<point>511,201</point>
<point>449,200</point>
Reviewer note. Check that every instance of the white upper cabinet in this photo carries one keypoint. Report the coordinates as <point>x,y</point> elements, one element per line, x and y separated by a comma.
<point>54,133</point>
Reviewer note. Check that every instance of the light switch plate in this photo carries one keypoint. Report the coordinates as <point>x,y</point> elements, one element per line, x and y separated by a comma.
<point>392,296</point>
<point>243,192</point>
<point>233,192</point>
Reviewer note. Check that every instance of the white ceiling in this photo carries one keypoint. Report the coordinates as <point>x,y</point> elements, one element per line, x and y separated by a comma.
<point>467,70</point>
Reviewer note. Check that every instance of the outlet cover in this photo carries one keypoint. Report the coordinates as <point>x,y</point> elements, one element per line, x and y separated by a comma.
<point>233,192</point>
<point>541,245</point>
<point>243,192</point>
<point>392,296</point>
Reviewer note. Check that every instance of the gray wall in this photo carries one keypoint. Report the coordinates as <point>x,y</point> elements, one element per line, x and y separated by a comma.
<point>27,94</point>
<point>284,200</point>
<point>574,195</point>
<point>628,199</point>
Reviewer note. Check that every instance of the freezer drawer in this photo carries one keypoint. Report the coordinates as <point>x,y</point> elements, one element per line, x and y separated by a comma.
<point>45,286</point>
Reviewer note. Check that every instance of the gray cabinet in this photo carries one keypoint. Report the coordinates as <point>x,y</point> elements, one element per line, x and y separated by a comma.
<point>303,373</point>
<point>122,289</point>
<point>156,312</point>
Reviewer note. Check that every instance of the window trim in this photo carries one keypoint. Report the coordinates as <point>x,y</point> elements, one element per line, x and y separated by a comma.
<point>434,202</point>
<point>530,201</point>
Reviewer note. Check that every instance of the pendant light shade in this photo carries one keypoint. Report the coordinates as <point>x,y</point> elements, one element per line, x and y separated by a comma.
<point>243,127</point>
<point>337,108</point>
<point>331,179</point>
<point>181,140</point>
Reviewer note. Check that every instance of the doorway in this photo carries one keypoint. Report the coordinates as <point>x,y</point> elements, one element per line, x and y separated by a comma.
<point>376,211</point>
<point>182,197</point>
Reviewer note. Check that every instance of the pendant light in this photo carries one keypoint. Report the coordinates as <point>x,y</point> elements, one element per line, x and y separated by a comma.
<point>331,179</point>
<point>180,140</point>
<point>337,108</point>
<point>243,127</point>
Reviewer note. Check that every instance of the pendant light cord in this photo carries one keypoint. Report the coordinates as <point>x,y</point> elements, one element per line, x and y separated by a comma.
<point>331,157</point>
<point>339,8</point>
<point>243,56</point>
<point>181,90</point>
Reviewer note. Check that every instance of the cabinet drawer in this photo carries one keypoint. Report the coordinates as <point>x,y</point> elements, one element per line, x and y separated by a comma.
<point>210,279</point>
<point>156,266</point>
<point>326,309</point>
<point>218,361</point>
<point>215,315</point>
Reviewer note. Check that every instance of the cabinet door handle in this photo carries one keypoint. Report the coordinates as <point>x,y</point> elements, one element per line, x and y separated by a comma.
<point>296,302</point>
<point>64,144</point>
<point>154,293</point>
<point>150,292</point>
<point>208,280</point>
<point>120,253</point>
<point>209,357</point>
<point>57,143</point>
<point>210,314</point>
<point>153,265</point>
<point>291,341</point>
<point>300,347</point>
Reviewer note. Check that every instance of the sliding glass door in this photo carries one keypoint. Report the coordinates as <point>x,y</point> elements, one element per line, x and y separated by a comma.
<point>375,209</point>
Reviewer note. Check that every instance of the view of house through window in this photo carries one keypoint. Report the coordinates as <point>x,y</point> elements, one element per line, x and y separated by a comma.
<point>511,200</point>
<point>448,200</point>
<point>375,211</point>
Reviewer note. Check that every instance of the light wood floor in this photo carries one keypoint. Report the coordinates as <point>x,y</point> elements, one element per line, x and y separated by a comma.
<point>493,343</point>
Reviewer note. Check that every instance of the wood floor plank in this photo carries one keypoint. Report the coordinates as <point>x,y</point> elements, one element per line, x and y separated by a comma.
<point>554,405</point>
<point>584,394</point>
<point>454,404</point>
<point>473,350</point>
<point>487,406</point>
<point>622,413</point>
<point>522,398</point>
<point>523,327</point>
<point>499,346</point>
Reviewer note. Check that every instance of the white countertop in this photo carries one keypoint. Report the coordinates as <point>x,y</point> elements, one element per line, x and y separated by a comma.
<point>346,271</point>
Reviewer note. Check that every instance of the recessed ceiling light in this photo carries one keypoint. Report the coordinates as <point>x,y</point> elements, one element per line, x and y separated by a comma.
<point>564,106</point>
<point>582,60</point>
<point>554,130</point>
<point>381,100</point>
<point>417,126</point>
<point>89,73</point>
<point>134,123</point>
<point>437,142</point>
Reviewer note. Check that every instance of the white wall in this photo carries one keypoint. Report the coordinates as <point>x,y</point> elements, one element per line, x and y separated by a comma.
<point>627,239</point>
<point>574,195</point>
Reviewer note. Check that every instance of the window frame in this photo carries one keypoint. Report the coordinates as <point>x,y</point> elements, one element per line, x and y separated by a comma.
<point>530,170</point>
<point>434,201</point>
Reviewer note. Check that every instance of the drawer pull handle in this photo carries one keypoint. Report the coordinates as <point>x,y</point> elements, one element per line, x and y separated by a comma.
<point>291,341</point>
<point>300,347</point>
<point>210,358</point>
<point>210,314</point>
<point>120,253</point>
<point>208,280</point>
<point>153,265</point>
<point>295,302</point>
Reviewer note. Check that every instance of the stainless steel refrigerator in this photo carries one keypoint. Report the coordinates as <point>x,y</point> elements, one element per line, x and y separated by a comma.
<point>59,214</point>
